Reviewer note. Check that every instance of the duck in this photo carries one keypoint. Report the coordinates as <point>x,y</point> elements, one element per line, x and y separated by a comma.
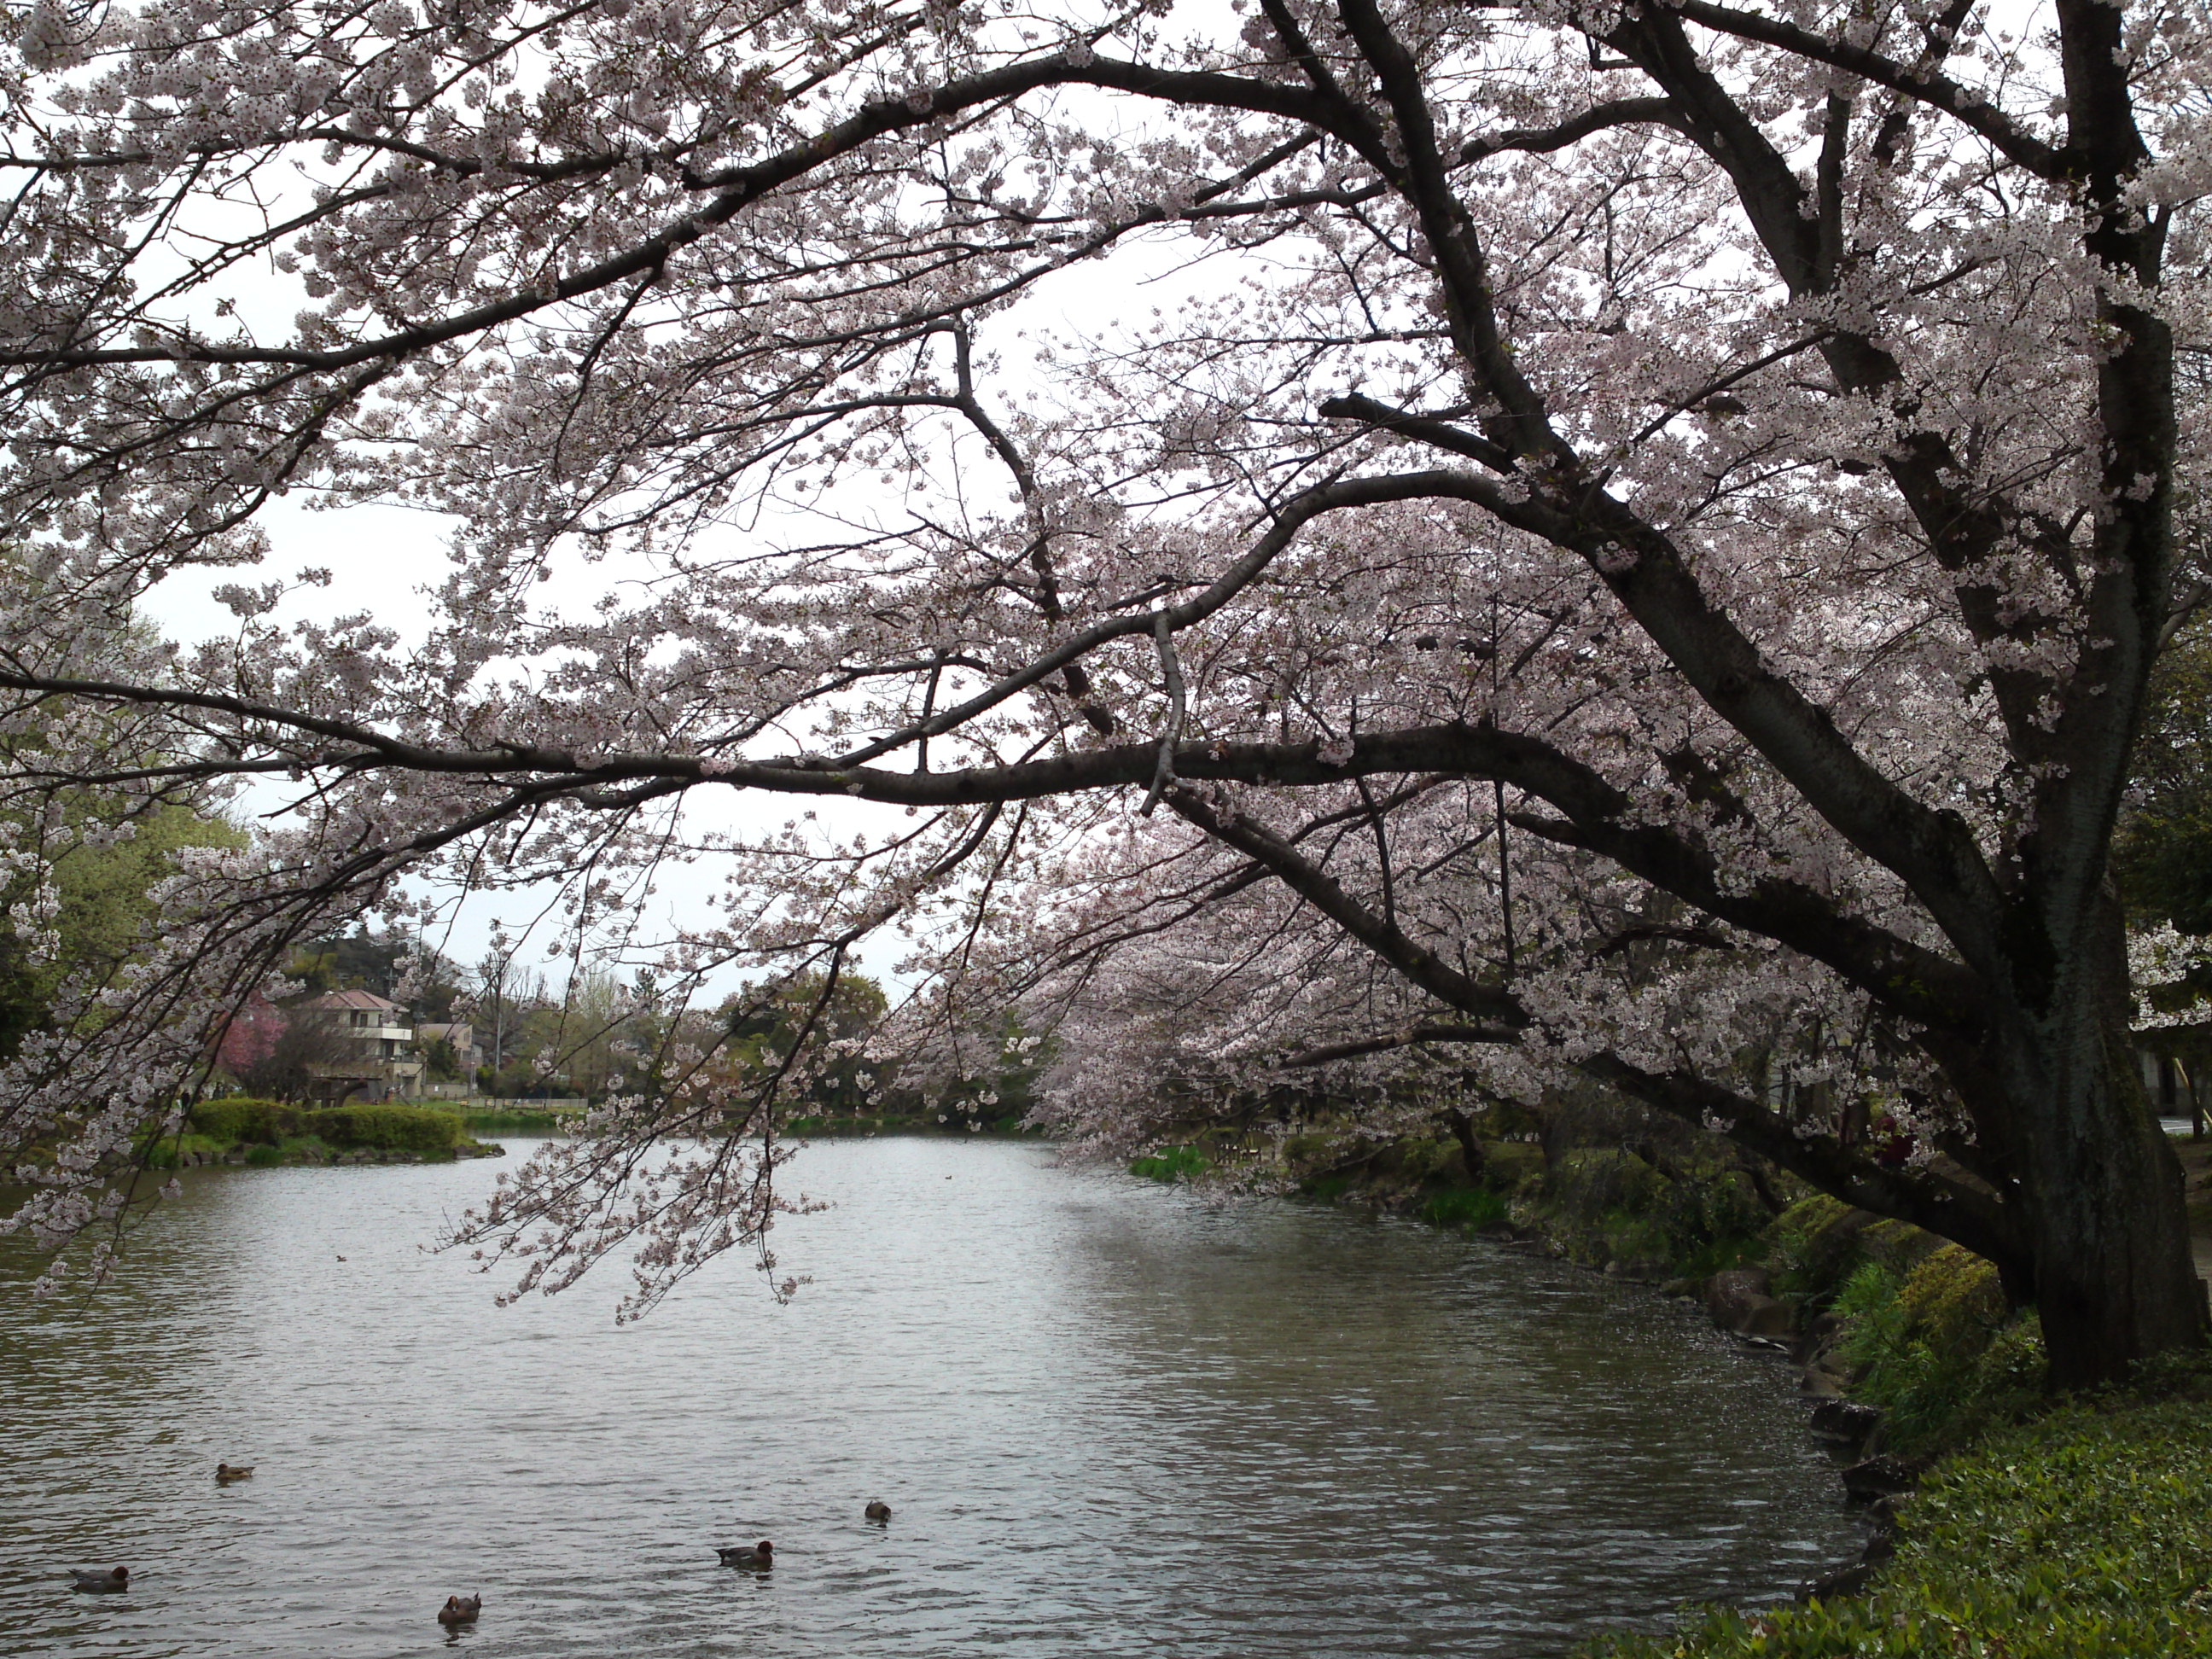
<point>228,1472</point>
<point>762,1554</point>
<point>878,1510</point>
<point>460,1610</point>
<point>89,1579</point>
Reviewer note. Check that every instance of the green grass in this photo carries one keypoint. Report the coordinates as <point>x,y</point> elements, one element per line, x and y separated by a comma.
<point>2086,1535</point>
<point>1465,1206</point>
<point>521,1123</point>
<point>1171,1164</point>
<point>170,1151</point>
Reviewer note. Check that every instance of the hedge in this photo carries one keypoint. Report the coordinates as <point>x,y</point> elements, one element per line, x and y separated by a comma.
<point>264,1122</point>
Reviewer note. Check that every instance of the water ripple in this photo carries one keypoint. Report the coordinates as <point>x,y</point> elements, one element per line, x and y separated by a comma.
<point>1108,1419</point>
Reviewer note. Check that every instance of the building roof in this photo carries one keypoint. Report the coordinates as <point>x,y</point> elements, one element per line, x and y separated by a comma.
<point>356,999</point>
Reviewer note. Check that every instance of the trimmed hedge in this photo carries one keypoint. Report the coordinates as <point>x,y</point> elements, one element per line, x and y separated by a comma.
<point>2086,1535</point>
<point>246,1121</point>
<point>390,1129</point>
<point>397,1128</point>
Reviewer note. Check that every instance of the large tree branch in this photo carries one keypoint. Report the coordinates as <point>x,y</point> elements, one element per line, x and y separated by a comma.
<point>1950,1208</point>
<point>734,188</point>
<point>1414,1036</point>
<point>1928,86</point>
<point>1310,882</point>
<point>1916,982</point>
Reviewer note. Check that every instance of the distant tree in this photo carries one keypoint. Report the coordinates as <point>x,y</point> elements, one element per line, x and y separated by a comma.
<point>816,1044</point>
<point>441,1064</point>
<point>389,963</point>
<point>99,889</point>
<point>250,1037</point>
<point>310,1045</point>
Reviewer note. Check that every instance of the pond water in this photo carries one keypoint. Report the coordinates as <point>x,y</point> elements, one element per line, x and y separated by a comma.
<point>1108,1418</point>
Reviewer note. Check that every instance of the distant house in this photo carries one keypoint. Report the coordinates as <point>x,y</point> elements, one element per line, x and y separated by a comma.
<point>461,1036</point>
<point>371,1051</point>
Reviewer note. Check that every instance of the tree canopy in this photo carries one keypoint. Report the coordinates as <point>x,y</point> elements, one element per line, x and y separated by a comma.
<point>1630,544</point>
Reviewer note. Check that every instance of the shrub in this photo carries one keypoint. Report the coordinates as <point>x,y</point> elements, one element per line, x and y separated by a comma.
<point>1609,1204</point>
<point>1509,1165</point>
<point>268,1122</point>
<point>1937,1351</point>
<point>2085,1534</point>
<point>244,1119</point>
<point>1954,1301</point>
<point>390,1128</point>
<point>523,1122</point>
<point>1817,1244</point>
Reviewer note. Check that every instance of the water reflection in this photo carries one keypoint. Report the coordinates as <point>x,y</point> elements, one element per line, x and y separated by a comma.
<point>1107,1418</point>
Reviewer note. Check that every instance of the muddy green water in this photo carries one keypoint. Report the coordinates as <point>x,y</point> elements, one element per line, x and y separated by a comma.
<point>1108,1418</point>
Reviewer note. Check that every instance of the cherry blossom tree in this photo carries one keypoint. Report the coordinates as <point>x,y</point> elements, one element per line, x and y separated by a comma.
<point>1629,543</point>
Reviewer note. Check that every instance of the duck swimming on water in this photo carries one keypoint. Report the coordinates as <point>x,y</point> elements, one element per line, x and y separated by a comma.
<point>762,1554</point>
<point>228,1472</point>
<point>114,1578</point>
<point>460,1610</point>
<point>878,1510</point>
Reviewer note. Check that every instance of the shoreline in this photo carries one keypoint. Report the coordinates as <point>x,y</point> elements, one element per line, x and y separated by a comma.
<point>1928,1388</point>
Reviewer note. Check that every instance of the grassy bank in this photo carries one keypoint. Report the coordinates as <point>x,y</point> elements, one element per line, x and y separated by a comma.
<point>2085,1535</point>
<point>517,1121</point>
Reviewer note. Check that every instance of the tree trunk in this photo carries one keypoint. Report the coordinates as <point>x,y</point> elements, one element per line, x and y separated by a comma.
<point>1470,1149</point>
<point>2115,1278</point>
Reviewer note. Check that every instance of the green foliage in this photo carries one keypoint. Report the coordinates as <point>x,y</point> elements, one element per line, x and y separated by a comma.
<point>1607,1204</point>
<point>170,1151</point>
<point>1937,1349</point>
<point>765,1024</point>
<point>1172,1163</point>
<point>439,1063</point>
<point>390,1128</point>
<point>384,1127</point>
<point>1954,1301</point>
<point>1818,1243</point>
<point>105,912</point>
<point>1803,1244</point>
<point>1512,1165</point>
<point>243,1119</point>
<point>2084,1535</point>
<point>2162,853</point>
<point>1466,1206</point>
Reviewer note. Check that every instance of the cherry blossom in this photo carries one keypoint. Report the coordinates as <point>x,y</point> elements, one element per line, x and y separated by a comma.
<point>1618,542</point>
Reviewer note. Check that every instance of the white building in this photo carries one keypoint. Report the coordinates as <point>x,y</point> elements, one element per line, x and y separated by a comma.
<point>372,1051</point>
